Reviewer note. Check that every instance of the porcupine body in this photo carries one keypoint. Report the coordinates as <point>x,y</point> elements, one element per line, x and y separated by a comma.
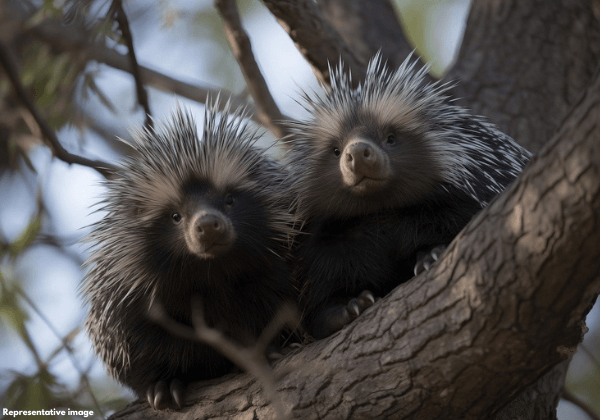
<point>186,217</point>
<point>384,174</point>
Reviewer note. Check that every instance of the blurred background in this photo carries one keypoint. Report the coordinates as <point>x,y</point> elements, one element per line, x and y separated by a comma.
<point>47,205</point>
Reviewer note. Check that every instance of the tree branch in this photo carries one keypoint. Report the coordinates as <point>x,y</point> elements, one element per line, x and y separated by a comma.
<point>142,96</point>
<point>572,398</point>
<point>267,111</point>
<point>315,38</point>
<point>504,306</point>
<point>524,65</point>
<point>369,26</point>
<point>75,39</point>
<point>66,343</point>
<point>52,141</point>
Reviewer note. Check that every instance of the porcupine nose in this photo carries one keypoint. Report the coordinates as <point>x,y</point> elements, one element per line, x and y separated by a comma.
<point>210,228</point>
<point>210,234</point>
<point>361,157</point>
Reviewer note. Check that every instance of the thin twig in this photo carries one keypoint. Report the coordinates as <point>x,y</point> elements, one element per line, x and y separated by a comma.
<point>74,39</point>
<point>252,359</point>
<point>142,96</point>
<point>65,343</point>
<point>61,153</point>
<point>287,315</point>
<point>591,355</point>
<point>267,111</point>
<point>573,399</point>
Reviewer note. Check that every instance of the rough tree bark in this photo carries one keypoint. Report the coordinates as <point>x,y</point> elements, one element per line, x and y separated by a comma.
<point>315,37</point>
<point>367,27</point>
<point>504,306</point>
<point>523,64</point>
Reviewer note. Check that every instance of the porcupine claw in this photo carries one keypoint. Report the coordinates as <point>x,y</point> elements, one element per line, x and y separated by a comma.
<point>158,394</point>
<point>359,304</point>
<point>177,390</point>
<point>426,259</point>
<point>335,317</point>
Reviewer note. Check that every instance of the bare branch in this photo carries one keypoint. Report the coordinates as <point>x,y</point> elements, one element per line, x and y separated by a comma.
<point>76,40</point>
<point>142,96</point>
<point>251,359</point>
<point>65,344</point>
<point>315,38</point>
<point>573,399</point>
<point>12,72</point>
<point>287,315</point>
<point>267,111</point>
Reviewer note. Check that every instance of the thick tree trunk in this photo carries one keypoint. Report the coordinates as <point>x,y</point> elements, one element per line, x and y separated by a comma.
<point>523,64</point>
<point>504,306</point>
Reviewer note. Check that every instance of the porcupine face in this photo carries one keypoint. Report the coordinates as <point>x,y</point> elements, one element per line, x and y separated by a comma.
<point>380,158</point>
<point>185,203</point>
<point>208,222</point>
<point>204,224</point>
<point>208,199</point>
<point>364,150</point>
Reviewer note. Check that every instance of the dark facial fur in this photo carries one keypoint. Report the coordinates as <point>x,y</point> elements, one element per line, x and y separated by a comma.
<point>371,164</point>
<point>382,173</point>
<point>187,217</point>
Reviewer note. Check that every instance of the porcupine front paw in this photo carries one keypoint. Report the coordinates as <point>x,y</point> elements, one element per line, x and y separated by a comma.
<point>335,317</point>
<point>426,259</point>
<point>163,393</point>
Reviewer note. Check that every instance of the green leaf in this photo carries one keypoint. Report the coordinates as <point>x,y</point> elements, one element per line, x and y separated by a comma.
<point>38,392</point>
<point>27,237</point>
<point>11,310</point>
<point>48,10</point>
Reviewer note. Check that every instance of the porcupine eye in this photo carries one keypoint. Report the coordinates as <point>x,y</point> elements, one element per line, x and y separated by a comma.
<point>336,152</point>
<point>391,139</point>
<point>229,200</point>
<point>176,218</point>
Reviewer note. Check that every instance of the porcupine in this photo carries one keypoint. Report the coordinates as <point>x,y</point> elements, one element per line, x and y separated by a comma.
<point>386,176</point>
<point>187,217</point>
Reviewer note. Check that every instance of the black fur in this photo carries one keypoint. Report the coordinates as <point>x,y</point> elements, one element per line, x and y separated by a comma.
<point>384,174</point>
<point>338,258</point>
<point>187,218</point>
<point>240,293</point>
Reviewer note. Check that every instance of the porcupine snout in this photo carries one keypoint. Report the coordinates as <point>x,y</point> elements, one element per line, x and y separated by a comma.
<point>361,159</point>
<point>210,233</point>
<point>210,227</point>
